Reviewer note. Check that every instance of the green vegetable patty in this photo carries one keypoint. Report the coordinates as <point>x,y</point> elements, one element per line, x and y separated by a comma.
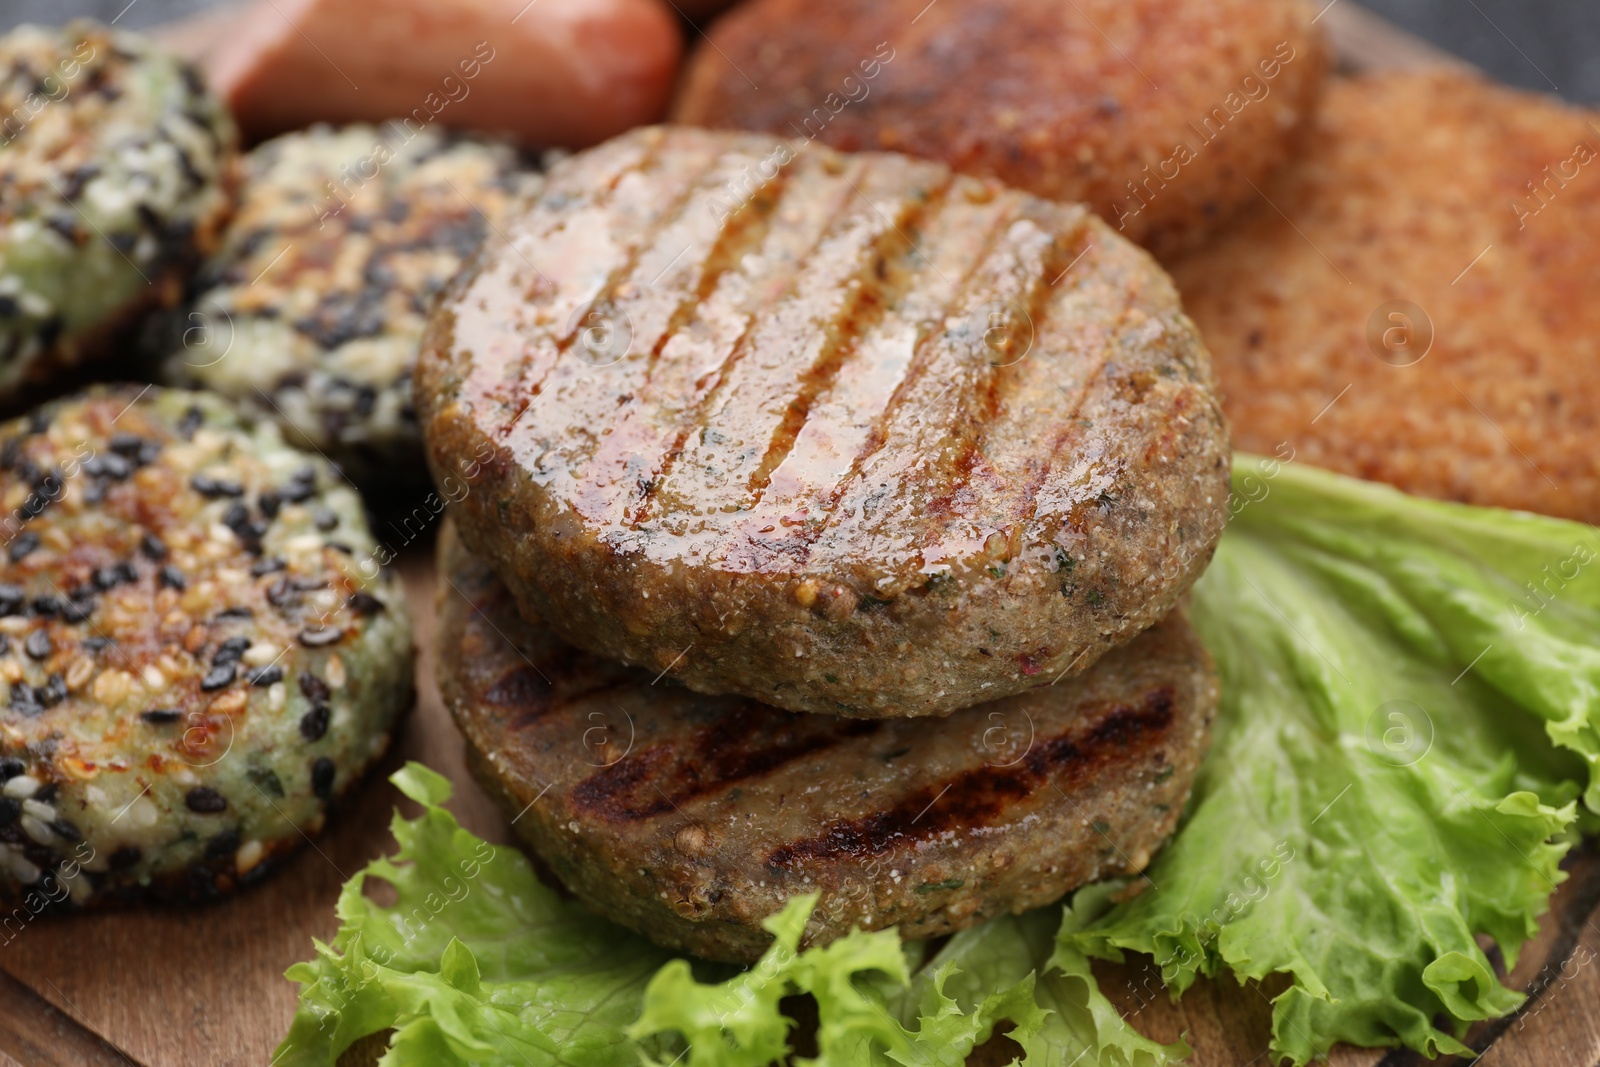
<point>115,177</point>
<point>312,311</point>
<point>193,660</point>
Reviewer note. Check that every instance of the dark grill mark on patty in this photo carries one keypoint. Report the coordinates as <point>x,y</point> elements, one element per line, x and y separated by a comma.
<point>736,748</point>
<point>982,796</point>
<point>521,687</point>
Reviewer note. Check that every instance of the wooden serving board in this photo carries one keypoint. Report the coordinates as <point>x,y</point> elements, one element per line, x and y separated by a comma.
<point>203,987</point>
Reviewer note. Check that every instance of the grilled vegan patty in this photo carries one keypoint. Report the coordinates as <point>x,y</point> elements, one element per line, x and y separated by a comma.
<point>875,440</point>
<point>1158,114</point>
<point>194,667</point>
<point>116,166</point>
<point>691,818</point>
<point>310,313</point>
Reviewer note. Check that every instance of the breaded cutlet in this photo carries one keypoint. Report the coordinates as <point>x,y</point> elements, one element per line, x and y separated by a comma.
<point>1478,205</point>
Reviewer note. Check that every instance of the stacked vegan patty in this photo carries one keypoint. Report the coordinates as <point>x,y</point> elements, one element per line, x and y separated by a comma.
<point>877,441</point>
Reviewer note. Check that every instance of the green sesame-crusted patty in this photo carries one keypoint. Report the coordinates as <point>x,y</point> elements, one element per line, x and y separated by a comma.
<point>313,309</point>
<point>116,173</point>
<point>197,652</point>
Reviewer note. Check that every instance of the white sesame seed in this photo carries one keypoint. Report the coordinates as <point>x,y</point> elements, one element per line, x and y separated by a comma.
<point>39,810</point>
<point>142,813</point>
<point>153,677</point>
<point>261,654</point>
<point>20,868</point>
<point>36,830</point>
<point>249,854</point>
<point>22,787</point>
<point>79,888</point>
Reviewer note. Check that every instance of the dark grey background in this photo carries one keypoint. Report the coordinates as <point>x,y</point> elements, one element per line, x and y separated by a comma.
<point>1549,45</point>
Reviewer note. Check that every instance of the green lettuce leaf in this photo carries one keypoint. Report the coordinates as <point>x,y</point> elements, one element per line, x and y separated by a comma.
<point>475,961</point>
<point>1404,720</point>
<point>1408,724</point>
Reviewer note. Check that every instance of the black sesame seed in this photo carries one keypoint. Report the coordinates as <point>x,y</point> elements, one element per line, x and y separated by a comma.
<point>125,857</point>
<point>96,643</point>
<point>279,593</point>
<point>320,636</point>
<point>127,571</point>
<point>308,584</point>
<point>11,600</point>
<point>203,800</point>
<point>94,492</point>
<point>191,421</point>
<point>230,651</point>
<point>34,506</point>
<point>270,502</point>
<point>326,519</point>
<point>107,577</point>
<point>172,578</point>
<point>47,793</point>
<point>236,516</point>
<point>301,487</point>
<point>78,609</point>
<point>11,451</point>
<point>5,645</point>
<point>236,613</point>
<point>250,535</point>
<point>212,488</point>
<point>10,768</point>
<point>149,452</point>
<point>53,692</point>
<point>152,548</point>
<point>365,604</point>
<point>224,844</point>
<point>46,607</point>
<point>265,676</point>
<point>24,544</point>
<point>10,811</point>
<point>218,676</point>
<point>126,444</point>
<point>110,466</point>
<point>161,716</point>
<point>64,224</point>
<point>266,565</point>
<point>66,830</point>
<point>38,645</point>
<point>314,723</point>
<point>314,688</point>
<point>340,546</point>
<point>322,772</point>
<point>24,701</point>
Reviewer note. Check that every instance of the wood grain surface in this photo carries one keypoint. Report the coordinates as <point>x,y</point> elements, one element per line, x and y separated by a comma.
<point>203,987</point>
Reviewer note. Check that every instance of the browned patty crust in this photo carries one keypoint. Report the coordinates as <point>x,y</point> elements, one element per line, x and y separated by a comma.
<point>880,441</point>
<point>1158,114</point>
<point>691,818</point>
<point>1418,303</point>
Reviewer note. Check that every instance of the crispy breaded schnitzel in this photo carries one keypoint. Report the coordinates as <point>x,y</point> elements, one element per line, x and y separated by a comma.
<point>1159,115</point>
<point>1478,205</point>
